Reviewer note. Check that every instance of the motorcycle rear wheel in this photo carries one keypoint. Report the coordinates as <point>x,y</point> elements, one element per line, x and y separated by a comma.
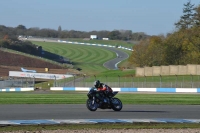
<point>90,106</point>
<point>116,104</point>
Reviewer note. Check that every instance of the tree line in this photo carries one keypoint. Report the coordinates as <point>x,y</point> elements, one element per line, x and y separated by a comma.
<point>178,48</point>
<point>18,45</point>
<point>124,35</point>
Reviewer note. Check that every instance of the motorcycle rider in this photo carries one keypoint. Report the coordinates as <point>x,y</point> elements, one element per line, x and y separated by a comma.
<point>105,89</point>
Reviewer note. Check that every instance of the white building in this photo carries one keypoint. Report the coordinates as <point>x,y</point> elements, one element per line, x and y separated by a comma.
<point>105,38</point>
<point>93,37</point>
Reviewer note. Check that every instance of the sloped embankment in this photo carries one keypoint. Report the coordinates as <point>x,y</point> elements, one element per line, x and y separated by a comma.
<point>14,62</point>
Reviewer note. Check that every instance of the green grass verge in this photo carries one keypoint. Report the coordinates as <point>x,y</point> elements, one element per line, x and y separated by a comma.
<point>116,73</point>
<point>71,97</point>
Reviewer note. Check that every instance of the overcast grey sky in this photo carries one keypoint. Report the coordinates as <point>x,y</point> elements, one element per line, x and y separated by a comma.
<point>153,17</point>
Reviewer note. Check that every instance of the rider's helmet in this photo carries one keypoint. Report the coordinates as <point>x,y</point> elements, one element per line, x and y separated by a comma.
<point>97,84</point>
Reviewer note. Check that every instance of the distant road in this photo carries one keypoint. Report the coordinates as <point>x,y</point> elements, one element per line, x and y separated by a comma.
<point>112,64</point>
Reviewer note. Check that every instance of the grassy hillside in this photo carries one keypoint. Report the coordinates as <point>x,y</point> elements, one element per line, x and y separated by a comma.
<point>89,58</point>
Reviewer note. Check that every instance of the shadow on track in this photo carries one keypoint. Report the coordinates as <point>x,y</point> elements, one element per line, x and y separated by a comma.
<point>139,111</point>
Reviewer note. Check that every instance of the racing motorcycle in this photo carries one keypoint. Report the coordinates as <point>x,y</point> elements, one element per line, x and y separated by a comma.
<point>94,101</point>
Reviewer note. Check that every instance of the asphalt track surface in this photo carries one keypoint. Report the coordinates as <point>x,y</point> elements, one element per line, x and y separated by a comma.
<point>79,111</point>
<point>112,64</point>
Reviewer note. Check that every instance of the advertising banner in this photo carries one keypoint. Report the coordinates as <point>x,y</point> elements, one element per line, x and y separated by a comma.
<point>38,75</point>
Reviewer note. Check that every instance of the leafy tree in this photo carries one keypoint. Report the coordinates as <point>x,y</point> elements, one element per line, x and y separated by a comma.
<point>59,29</point>
<point>139,54</point>
<point>139,36</point>
<point>174,49</point>
<point>197,16</point>
<point>34,31</point>
<point>6,31</point>
<point>125,35</point>
<point>114,35</point>
<point>183,47</point>
<point>20,30</point>
<point>155,51</point>
<point>4,44</point>
<point>48,33</point>
<point>22,27</point>
<point>193,36</point>
<point>186,21</point>
<point>149,52</point>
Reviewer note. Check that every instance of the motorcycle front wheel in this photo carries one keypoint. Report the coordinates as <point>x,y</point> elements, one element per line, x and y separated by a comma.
<point>116,104</point>
<point>90,105</point>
